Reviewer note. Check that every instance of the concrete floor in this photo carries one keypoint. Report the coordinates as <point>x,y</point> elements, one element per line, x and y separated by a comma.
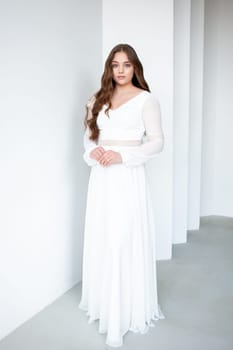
<point>195,293</point>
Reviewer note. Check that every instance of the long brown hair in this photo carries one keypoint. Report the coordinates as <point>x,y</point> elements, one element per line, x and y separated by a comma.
<point>104,95</point>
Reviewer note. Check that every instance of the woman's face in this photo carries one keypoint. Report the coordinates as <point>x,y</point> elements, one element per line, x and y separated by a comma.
<point>122,69</point>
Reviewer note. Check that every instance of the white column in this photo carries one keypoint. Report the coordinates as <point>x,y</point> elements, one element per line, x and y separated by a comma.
<point>182,13</point>
<point>148,27</point>
<point>223,183</point>
<point>209,107</point>
<point>196,103</point>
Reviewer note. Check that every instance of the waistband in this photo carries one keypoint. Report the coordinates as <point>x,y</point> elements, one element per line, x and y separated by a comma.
<point>119,142</point>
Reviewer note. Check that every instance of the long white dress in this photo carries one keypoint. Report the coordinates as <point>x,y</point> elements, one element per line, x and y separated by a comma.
<point>119,285</point>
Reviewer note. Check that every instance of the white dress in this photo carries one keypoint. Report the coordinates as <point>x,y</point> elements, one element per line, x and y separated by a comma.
<point>119,285</point>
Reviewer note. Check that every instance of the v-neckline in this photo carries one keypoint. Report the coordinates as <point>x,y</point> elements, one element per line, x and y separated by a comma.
<point>126,102</point>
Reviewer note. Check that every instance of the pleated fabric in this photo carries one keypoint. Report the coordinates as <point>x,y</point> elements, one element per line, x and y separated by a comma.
<point>119,284</point>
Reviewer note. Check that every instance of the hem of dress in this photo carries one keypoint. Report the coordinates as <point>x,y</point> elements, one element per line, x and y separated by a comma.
<point>157,315</point>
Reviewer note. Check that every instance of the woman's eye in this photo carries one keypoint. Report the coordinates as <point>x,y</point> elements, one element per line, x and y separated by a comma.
<point>127,65</point>
<point>114,65</point>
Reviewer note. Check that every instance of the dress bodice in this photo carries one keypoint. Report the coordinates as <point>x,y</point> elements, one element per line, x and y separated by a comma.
<point>124,122</point>
<point>129,122</point>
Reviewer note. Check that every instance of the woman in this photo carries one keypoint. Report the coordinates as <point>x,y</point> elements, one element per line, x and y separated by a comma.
<point>119,284</point>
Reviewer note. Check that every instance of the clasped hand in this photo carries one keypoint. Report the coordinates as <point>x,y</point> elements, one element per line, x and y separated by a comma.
<point>104,157</point>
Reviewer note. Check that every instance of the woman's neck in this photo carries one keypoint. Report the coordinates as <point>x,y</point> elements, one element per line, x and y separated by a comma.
<point>122,89</point>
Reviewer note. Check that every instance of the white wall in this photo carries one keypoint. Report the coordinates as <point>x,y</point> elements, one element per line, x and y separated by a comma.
<point>148,27</point>
<point>48,70</point>
<point>217,166</point>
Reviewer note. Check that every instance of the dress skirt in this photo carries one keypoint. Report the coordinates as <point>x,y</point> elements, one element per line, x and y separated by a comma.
<point>119,283</point>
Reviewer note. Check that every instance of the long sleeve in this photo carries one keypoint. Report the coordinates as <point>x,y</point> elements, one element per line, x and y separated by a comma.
<point>154,136</point>
<point>88,144</point>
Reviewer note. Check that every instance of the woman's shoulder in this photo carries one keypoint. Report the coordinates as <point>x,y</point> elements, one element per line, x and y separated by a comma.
<point>150,96</point>
<point>150,102</point>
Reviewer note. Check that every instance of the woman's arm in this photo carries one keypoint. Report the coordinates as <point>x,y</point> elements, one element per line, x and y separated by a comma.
<point>155,138</point>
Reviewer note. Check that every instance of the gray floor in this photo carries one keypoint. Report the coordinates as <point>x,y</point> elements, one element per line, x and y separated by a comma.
<point>195,293</point>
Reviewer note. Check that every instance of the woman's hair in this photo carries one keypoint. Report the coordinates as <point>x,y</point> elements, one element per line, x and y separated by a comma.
<point>104,95</point>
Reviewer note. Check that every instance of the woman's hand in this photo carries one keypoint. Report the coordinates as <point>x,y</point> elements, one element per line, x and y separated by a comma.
<point>110,157</point>
<point>97,152</point>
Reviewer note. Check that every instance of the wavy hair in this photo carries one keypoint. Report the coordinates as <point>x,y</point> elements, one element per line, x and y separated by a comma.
<point>104,94</point>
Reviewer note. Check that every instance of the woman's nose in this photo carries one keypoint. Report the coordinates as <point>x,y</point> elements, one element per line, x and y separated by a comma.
<point>121,68</point>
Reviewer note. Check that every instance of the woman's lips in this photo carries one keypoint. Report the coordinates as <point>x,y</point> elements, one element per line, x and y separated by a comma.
<point>121,77</point>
